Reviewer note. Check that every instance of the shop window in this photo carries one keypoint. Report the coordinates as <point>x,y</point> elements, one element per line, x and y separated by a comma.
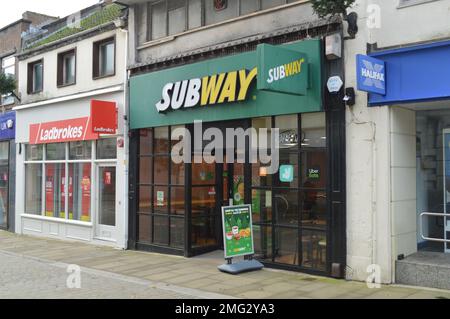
<point>145,228</point>
<point>55,181</point>
<point>59,187</point>
<point>314,133</point>
<point>262,206</point>
<point>161,204</point>
<point>160,199</point>
<point>177,232</point>
<point>145,199</point>
<point>79,189</point>
<point>160,230</point>
<point>286,207</point>
<point>107,148</point>
<point>290,207</point>
<point>33,189</point>
<point>66,73</point>
<point>314,169</point>
<point>34,152</point>
<point>146,142</point>
<point>288,130</point>
<point>314,247</point>
<point>104,57</point>
<point>35,81</point>
<point>161,170</point>
<point>55,152</point>
<point>262,238</point>
<point>146,170</point>
<point>80,150</point>
<point>286,250</point>
<point>203,174</point>
<point>162,142</point>
<point>177,196</point>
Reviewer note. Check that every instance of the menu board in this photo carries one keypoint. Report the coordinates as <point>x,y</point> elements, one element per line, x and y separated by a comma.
<point>238,231</point>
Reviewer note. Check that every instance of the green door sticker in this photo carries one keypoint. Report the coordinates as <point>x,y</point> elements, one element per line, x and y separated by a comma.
<point>286,173</point>
<point>238,232</point>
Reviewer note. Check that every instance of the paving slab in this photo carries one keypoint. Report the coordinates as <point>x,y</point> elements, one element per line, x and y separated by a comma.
<point>187,276</point>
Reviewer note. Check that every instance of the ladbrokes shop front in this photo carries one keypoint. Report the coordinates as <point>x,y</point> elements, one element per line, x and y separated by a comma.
<point>204,136</point>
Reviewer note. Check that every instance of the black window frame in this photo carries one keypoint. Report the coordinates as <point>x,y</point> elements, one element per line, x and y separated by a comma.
<point>31,76</point>
<point>167,212</point>
<point>60,81</point>
<point>96,58</point>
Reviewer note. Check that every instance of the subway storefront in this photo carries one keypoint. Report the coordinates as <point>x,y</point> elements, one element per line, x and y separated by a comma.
<point>250,128</point>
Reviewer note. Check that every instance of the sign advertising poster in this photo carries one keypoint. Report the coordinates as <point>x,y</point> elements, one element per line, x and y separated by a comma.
<point>238,231</point>
<point>86,194</point>
<point>104,117</point>
<point>62,204</point>
<point>107,178</point>
<point>49,189</point>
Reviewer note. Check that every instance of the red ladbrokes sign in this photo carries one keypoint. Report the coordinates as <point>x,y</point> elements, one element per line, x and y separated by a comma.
<point>79,129</point>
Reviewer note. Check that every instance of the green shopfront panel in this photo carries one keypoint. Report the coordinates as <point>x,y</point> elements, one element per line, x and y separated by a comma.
<point>146,91</point>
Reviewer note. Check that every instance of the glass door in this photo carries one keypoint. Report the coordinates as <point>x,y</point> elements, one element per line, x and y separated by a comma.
<point>214,184</point>
<point>106,202</point>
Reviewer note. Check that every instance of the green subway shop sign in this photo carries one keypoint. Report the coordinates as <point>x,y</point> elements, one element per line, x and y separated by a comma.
<point>273,80</point>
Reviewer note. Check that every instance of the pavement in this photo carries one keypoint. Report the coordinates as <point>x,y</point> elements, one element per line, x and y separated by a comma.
<point>33,267</point>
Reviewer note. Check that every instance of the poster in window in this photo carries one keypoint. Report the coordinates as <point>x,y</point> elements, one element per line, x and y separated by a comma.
<point>49,190</point>
<point>86,194</point>
<point>107,179</point>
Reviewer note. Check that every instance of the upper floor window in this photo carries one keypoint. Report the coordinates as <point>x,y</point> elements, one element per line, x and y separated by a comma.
<point>104,58</point>
<point>35,81</point>
<point>67,68</point>
<point>168,17</point>
<point>8,68</point>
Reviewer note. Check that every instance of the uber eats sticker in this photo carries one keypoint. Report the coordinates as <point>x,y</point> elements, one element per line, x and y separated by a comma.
<point>238,234</point>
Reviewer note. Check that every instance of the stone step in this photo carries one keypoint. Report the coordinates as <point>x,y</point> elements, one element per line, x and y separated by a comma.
<point>424,269</point>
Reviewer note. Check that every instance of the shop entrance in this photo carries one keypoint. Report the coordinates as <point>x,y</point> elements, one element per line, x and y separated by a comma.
<point>106,202</point>
<point>433,180</point>
<point>215,184</point>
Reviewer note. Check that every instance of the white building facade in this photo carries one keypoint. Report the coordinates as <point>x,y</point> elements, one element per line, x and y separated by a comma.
<point>397,144</point>
<point>72,136</point>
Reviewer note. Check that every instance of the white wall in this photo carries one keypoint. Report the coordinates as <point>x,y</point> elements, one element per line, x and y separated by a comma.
<point>84,80</point>
<point>381,141</point>
<point>403,181</point>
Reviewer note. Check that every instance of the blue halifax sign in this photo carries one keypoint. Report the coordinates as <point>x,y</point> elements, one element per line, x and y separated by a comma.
<point>371,74</point>
<point>8,126</point>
